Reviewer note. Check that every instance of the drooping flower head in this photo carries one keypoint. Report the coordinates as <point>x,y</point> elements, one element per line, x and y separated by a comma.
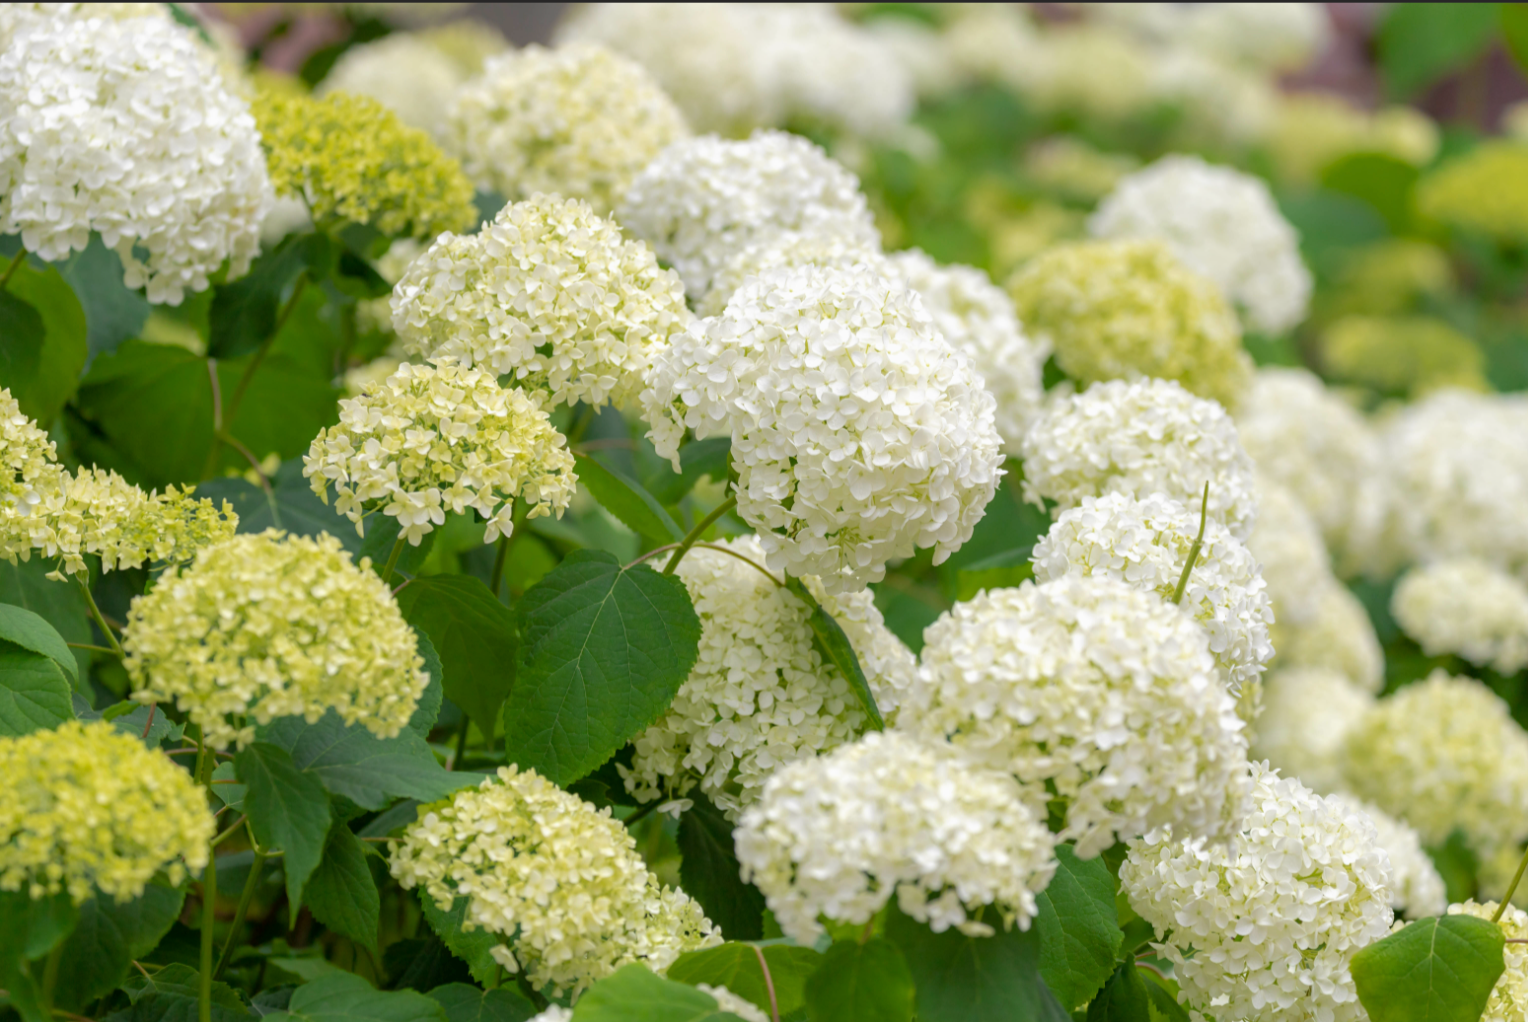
<point>436,438</point>
<point>1440,754</point>
<point>351,160</point>
<point>558,881</point>
<point>1151,436</point>
<point>760,695</point>
<point>125,128</point>
<point>1130,309</point>
<point>1145,543</point>
<point>1264,927</point>
<point>88,808</point>
<point>857,432</point>
<point>892,816</point>
<point>1466,607</point>
<point>270,625</point>
<point>1099,691</point>
<point>703,201</point>
<point>579,121</point>
<point>1303,729</point>
<point>548,293</point>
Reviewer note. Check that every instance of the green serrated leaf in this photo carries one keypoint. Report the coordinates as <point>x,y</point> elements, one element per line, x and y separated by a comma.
<point>60,603</point>
<point>427,712</point>
<point>634,994</point>
<point>471,946</point>
<point>346,997</point>
<point>1078,928</point>
<point>288,809</point>
<point>736,967</point>
<point>21,339</point>
<point>835,648</point>
<point>172,995</point>
<point>710,873</point>
<point>464,1003</point>
<point>31,631</point>
<point>61,355</point>
<point>603,651</point>
<point>34,694</point>
<point>698,458</point>
<point>227,790</point>
<point>1433,970</point>
<point>1164,1002</point>
<point>108,937</point>
<point>628,500</point>
<point>132,718</point>
<point>475,636</point>
<point>349,760</point>
<point>244,312</point>
<point>1123,998</point>
<point>113,311</point>
<point>341,892</point>
<point>423,963</point>
<point>861,982</point>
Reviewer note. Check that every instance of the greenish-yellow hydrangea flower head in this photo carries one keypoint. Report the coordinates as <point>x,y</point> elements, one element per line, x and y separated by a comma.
<point>1485,191</point>
<point>1129,309</point>
<point>549,293</point>
<point>88,808</point>
<point>578,120</point>
<point>1440,754</point>
<point>270,625</point>
<point>30,471</point>
<point>558,880</point>
<point>352,160</point>
<point>436,438</point>
<point>1404,356</point>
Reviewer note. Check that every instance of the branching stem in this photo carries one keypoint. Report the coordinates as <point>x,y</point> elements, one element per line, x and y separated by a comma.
<point>95,612</point>
<point>696,533</point>
<point>1506,899</point>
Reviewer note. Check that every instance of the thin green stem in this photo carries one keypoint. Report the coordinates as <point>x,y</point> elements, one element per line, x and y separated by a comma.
<point>209,900</point>
<point>769,985</point>
<point>90,646</point>
<point>227,833</point>
<point>392,560</point>
<point>1193,551</point>
<point>461,743</point>
<point>239,913</point>
<point>95,612</point>
<point>1506,899</point>
<point>10,271</point>
<point>641,812</point>
<point>50,975</point>
<point>501,555</point>
<point>696,533</point>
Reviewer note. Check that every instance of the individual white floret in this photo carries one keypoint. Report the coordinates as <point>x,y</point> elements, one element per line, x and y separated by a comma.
<point>1416,887</point>
<point>1264,926</point>
<point>1146,544</point>
<point>858,433</point>
<point>1338,636</point>
<point>1102,693</point>
<point>125,129</point>
<point>1140,437</point>
<point>1307,714</point>
<point>890,815</point>
<point>1221,223</point>
<point>705,200</point>
<point>1466,607</point>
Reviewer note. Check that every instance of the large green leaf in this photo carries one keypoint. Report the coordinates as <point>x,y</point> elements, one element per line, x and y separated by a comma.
<point>1420,43</point>
<point>108,937</point>
<point>59,603</point>
<point>288,809</point>
<point>1514,30</point>
<point>423,963</point>
<point>1078,928</point>
<point>603,650</point>
<point>172,995</point>
<point>34,694</point>
<point>634,994</point>
<point>62,353</point>
<point>464,1003</point>
<point>1383,181</point>
<point>1123,998</point>
<point>835,648</point>
<point>471,946</point>
<point>974,979</point>
<point>113,312</point>
<point>21,339</point>
<point>628,500</point>
<point>346,997</point>
<point>244,312</point>
<point>710,873</point>
<point>31,631</point>
<point>341,892</point>
<point>475,637</point>
<point>861,982</point>
<point>1433,970</point>
<point>349,760</point>
<point>736,967</point>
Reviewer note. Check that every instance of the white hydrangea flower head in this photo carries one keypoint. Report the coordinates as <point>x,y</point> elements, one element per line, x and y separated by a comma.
<point>1339,636</point>
<point>270,625</point>
<point>549,293</point>
<point>1288,546</point>
<point>1264,926</point>
<point>789,250</point>
<point>978,319</point>
<point>890,815</point>
<point>1095,689</point>
<point>1303,729</point>
<point>578,120</point>
<point>730,1002</point>
<point>1145,543</point>
<point>560,882</point>
<point>125,128</point>
<point>1416,887</point>
<point>1440,754</point>
<point>1272,36</point>
<point>1223,224</point>
<point>760,695</point>
<point>15,17</point>
<point>705,200</point>
<point>31,472</point>
<point>1509,998</point>
<point>1140,438</point>
<point>405,72</point>
<point>1227,106</point>
<point>1460,471</point>
<point>437,438</point>
<point>857,432</point>
<point>1466,607</point>
<point>1306,438</point>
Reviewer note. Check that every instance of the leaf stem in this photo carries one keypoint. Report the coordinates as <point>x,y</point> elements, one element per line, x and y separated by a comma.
<point>232,827</point>
<point>1506,899</point>
<point>392,560</point>
<point>461,744</point>
<point>520,511</point>
<point>1193,551</point>
<point>700,530</point>
<point>95,612</point>
<point>642,811</point>
<point>769,985</point>
<point>90,646</point>
<point>238,916</point>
